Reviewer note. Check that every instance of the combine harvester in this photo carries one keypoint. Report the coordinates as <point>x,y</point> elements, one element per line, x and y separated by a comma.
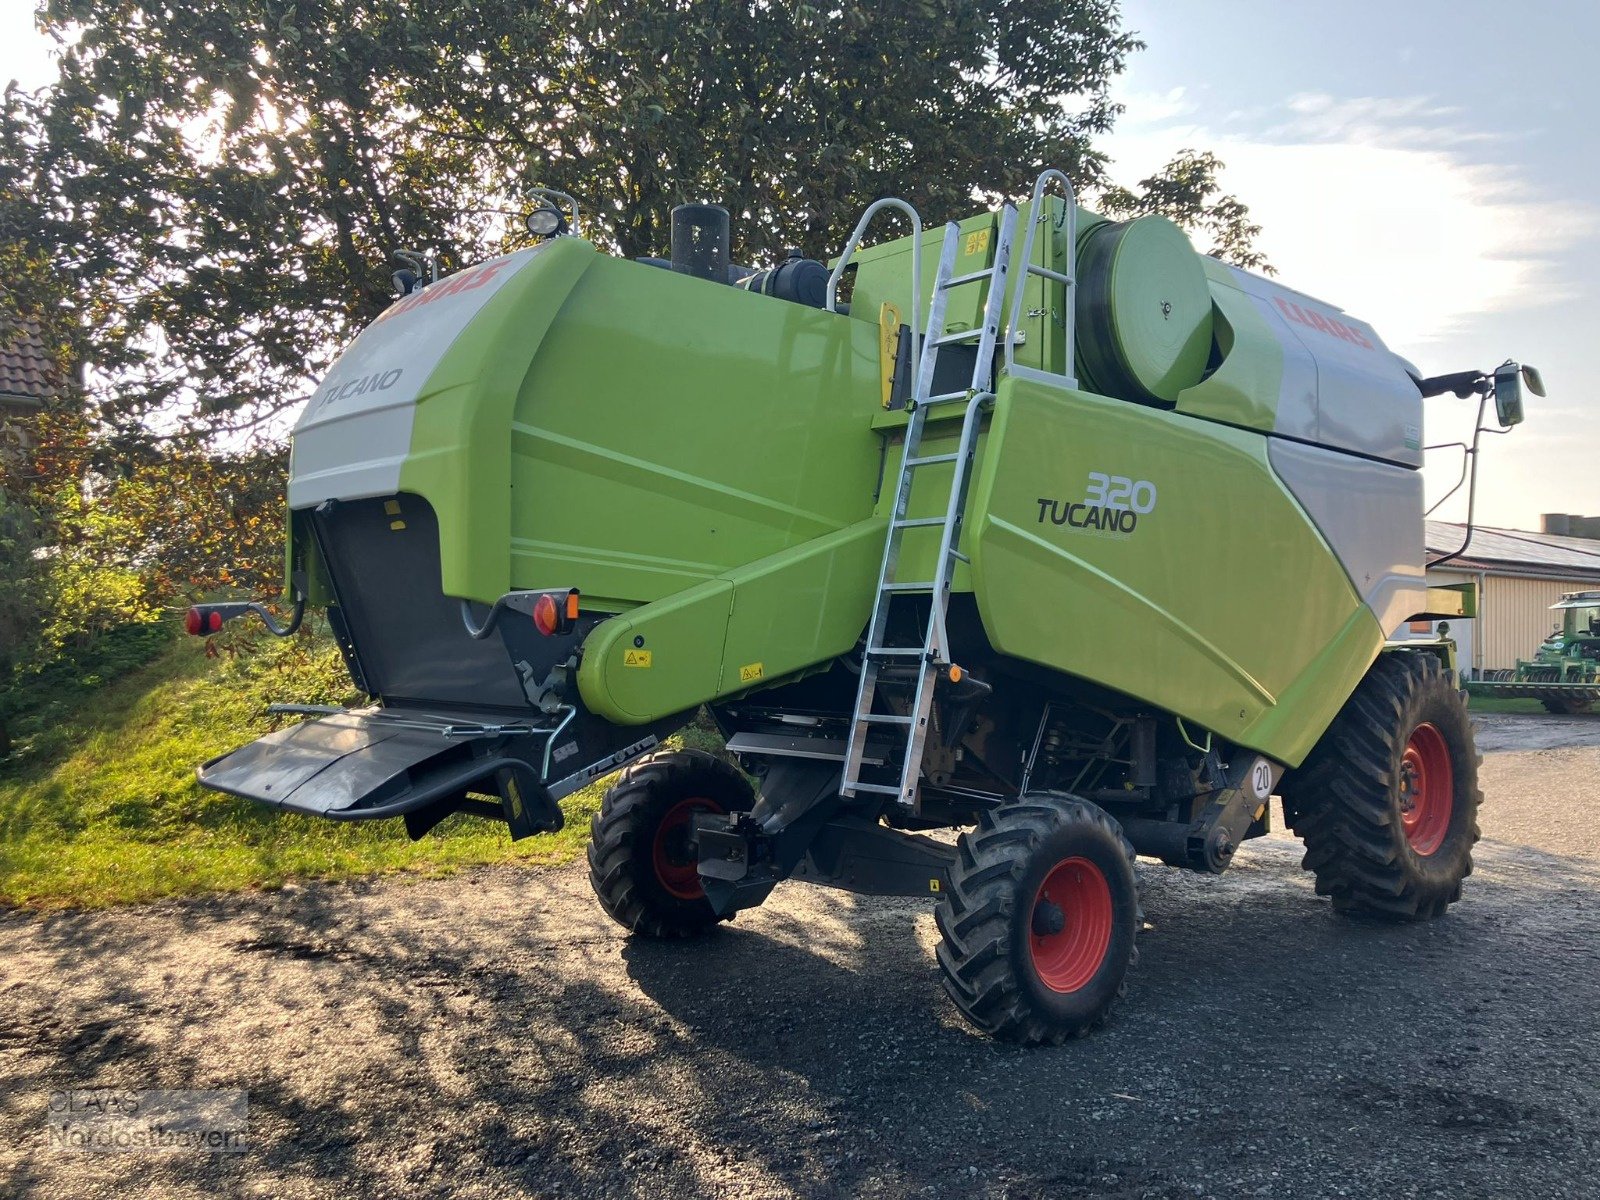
<point>1564,673</point>
<point>1059,534</point>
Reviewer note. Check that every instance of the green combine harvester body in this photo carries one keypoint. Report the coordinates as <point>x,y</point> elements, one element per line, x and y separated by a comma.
<point>1054,516</point>
<point>1564,672</point>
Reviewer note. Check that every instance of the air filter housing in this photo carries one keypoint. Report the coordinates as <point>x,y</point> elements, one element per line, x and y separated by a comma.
<point>1144,310</point>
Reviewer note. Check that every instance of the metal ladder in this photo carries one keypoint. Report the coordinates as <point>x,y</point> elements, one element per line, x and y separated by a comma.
<point>928,658</point>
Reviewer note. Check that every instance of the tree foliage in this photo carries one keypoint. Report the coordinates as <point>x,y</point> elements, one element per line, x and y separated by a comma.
<point>1188,191</point>
<point>228,180</point>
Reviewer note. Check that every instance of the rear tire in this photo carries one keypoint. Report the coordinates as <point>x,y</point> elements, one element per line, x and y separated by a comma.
<point>1038,926</point>
<point>641,865</point>
<point>1387,801</point>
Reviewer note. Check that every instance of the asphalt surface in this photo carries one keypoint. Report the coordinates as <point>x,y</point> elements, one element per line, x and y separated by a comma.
<point>493,1035</point>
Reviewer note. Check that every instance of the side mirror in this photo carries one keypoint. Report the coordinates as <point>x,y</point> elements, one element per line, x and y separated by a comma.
<point>1533,380</point>
<point>1508,394</point>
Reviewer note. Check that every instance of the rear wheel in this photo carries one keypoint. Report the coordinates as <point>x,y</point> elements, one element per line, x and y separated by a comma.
<point>641,858</point>
<point>1038,927</point>
<point>1387,802</point>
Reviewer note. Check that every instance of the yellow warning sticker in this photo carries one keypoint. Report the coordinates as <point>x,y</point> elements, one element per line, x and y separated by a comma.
<point>888,348</point>
<point>636,658</point>
<point>933,885</point>
<point>751,672</point>
<point>978,242</point>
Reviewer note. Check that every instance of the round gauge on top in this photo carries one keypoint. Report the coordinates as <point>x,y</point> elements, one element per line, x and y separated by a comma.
<point>1144,310</point>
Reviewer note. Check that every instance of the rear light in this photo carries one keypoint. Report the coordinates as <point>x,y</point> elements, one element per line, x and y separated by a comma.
<point>546,618</point>
<point>202,620</point>
<point>555,612</point>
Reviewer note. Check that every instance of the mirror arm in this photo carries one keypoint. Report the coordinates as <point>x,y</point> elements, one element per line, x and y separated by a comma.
<point>1472,484</point>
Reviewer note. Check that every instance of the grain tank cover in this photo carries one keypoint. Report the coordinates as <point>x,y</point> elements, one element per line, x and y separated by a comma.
<point>1144,318</point>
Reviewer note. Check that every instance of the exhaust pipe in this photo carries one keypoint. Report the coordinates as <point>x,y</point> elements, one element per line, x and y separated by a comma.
<point>700,241</point>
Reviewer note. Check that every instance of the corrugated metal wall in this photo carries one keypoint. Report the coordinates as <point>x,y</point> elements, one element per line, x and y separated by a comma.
<point>1516,616</point>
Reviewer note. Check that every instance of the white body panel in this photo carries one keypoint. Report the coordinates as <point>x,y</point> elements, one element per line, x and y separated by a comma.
<point>1370,513</point>
<point>355,431</point>
<point>1342,387</point>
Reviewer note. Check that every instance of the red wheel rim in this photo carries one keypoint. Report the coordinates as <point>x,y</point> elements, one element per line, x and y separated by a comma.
<point>1427,789</point>
<point>672,856</point>
<point>1070,925</point>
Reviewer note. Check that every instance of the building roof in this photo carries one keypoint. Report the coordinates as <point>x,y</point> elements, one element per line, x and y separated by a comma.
<point>1516,551</point>
<point>27,371</point>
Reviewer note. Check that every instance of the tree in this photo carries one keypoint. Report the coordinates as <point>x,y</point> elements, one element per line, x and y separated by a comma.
<point>1188,191</point>
<point>229,179</point>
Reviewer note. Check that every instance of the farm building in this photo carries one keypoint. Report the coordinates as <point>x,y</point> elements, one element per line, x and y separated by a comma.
<point>1519,575</point>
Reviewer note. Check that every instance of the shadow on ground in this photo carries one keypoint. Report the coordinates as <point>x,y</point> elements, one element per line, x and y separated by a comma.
<point>493,1035</point>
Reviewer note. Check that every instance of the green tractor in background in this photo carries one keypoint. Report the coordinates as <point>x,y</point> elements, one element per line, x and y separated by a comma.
<point>998,555</point>
<point>1564,673</point>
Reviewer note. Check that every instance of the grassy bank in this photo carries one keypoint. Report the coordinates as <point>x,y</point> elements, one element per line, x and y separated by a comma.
<point>103,807</point>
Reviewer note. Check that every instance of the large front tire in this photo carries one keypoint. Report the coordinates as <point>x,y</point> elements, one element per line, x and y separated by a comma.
<point>641,863</point>
<point>1038,926</point>
<point>1387,801</point>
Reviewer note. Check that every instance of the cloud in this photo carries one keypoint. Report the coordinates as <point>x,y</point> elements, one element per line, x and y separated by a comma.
<point>1388,207</point>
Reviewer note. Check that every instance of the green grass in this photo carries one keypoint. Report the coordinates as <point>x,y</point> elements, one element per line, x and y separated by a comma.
<point>1491,704</point>
<point>103,808</point>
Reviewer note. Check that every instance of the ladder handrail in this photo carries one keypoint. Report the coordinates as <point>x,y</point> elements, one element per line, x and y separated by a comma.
<point>850,247</point>
<point>1019,285</point>
<point>932,652</point>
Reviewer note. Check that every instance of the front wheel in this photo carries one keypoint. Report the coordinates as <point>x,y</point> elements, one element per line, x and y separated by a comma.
<point>1038,926</point>
<point>641,857</point>
<point>1387,801</point>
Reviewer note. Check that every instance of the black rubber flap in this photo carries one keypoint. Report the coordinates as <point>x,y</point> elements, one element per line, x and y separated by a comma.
<point>352,765</point>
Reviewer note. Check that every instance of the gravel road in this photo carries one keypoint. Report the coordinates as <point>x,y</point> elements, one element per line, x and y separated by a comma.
<point>493,1035</point>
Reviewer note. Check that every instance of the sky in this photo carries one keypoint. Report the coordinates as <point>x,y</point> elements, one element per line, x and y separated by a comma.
<point>1431,166</point>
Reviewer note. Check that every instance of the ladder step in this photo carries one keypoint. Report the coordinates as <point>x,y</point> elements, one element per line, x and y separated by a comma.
<point>894,651</point>
<point>1054,276</point>
<point>931,459</point>
<point>960,557</point>
<point>960,335</point>
<point>919,522</point>
<point>946,398</point>
<point>957,280</point>
<point>923,585</point>
<point>884,788</point>
<point>885,719</point>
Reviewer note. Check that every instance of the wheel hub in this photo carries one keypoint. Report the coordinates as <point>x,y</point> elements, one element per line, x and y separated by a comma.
<point>1048,918</point>
<point>1069,930</point>
<point>1427,789</point>
<point>673,854</point>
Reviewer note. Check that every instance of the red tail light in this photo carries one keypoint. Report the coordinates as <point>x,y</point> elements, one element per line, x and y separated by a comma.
<point>546,617</point>
<point>200,620</point>
<point>555,612</point>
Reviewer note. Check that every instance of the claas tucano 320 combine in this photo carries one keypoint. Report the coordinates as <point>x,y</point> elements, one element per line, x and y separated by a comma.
<point>1039,527</point>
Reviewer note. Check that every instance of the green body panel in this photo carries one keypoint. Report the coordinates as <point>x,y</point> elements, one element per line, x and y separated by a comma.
<point>624,449</point>
<point>883,274</point>
<point>1219,604</point>
<point>460,456</point>
<point>1243,390</point>
<point>761,622</point>
<point>594,428</point>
